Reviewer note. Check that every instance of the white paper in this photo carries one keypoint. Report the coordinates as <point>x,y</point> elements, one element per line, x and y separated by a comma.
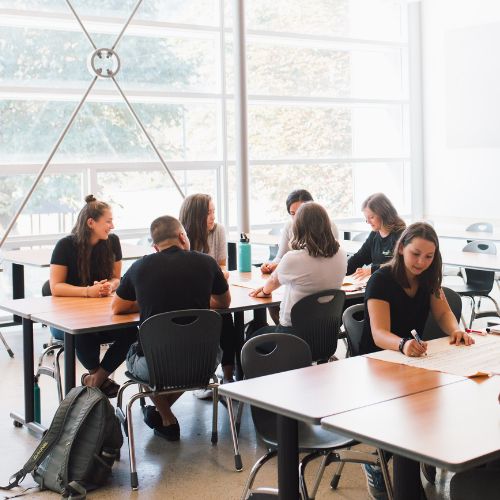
<point>479,359</point>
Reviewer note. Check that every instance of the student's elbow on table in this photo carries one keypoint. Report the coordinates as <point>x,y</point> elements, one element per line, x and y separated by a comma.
<point>220,301</point>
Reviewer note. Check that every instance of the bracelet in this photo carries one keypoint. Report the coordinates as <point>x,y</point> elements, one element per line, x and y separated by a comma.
<point>402,343</point>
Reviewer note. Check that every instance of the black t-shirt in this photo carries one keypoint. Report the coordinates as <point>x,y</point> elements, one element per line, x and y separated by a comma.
<point>375,251</point>
<point>66,254</point>
<point>407,313</point>
<point>171,280</point>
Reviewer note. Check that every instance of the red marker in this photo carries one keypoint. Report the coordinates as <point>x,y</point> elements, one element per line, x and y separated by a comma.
<point>468,330</point>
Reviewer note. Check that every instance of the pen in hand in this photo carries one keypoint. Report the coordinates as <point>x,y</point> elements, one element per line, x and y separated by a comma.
<point>416,336</point>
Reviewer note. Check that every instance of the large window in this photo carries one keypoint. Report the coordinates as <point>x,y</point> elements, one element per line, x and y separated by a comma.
<point>327,107</point>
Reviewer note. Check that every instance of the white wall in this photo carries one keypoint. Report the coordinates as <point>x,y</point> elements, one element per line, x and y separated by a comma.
<point>461,109</point>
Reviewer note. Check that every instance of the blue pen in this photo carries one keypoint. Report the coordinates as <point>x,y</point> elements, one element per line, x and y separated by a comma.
<point>416,336</point>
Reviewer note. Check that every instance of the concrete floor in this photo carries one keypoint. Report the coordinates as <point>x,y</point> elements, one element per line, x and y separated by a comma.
<point>189,469</point>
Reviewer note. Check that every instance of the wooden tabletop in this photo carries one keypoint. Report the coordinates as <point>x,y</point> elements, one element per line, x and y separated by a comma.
<point>455,427</point>
<point>81,315</point>
<point>40,257</point>
<point>311,393</point>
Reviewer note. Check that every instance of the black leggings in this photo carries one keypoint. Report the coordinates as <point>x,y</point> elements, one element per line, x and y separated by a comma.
<point>228,341</point>
<point>88,347</point>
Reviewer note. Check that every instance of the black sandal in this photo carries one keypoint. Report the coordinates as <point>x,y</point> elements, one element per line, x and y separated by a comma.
<point>110,388</point>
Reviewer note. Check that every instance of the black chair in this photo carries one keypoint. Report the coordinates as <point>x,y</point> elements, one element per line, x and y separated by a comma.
<point>317,319</point>
<point>480,227</point>
<point>290,353</point>
<point>181,349</point>
<point>478,283</point>
<point>53,348</point>
<point>431,328</point>
<point>353,319</point>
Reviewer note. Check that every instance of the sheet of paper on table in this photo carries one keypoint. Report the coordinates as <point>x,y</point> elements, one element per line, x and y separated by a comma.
<point>480,359</point>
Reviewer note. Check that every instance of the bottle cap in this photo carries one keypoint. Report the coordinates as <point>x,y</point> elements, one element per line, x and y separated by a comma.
<point>244,238</point>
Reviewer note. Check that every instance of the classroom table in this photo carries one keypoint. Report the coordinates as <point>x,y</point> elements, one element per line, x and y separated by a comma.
<point>40,257</point>
<point>454,427</point>
<point>77,315</point>
<point>312,393</point>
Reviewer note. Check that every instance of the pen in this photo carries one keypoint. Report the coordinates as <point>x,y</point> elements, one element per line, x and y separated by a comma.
<point>416,336</point>
<point>468,330</point>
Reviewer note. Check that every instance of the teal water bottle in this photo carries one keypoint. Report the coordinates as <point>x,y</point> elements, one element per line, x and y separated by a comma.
<point>244,254</point>
<point>36,401</point>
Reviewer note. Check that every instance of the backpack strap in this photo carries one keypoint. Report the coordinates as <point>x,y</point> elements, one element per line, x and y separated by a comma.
<point>76,492</point>
<point>49,439</point>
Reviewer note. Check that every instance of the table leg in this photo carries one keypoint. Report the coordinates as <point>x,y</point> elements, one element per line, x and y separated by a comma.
<point>17,285</point>
<point>288,458</point>
<point>69,362</point>
<point>239,327</point>
<point>29,380</point>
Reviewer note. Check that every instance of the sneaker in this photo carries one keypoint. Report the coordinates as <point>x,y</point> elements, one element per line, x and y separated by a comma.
<point>151,417</point>
<point>429,472</point>
<point>170,432</point>
<point>375,482</point>
<point>203,393</point>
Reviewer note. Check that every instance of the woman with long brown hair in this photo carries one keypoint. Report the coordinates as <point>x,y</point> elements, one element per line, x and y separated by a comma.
<point>197,215</point>
<point>387,227</point>
<point>398,299</point>
<point>315,263</point>
<point>87,263</point>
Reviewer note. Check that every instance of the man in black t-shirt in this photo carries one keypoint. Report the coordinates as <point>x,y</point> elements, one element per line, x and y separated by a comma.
<point>172,279</point>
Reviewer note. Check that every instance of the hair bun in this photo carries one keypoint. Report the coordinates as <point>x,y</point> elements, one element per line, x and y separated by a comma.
<point>90,198</point>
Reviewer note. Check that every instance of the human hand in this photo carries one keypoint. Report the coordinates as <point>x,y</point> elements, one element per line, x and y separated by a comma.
<point>259,293</point>
<point>459,336</point>
<point>226,274</point>
<point>362,273</point>
<point>414,349</point>
<point>104,288</point>
<point>268,267</point>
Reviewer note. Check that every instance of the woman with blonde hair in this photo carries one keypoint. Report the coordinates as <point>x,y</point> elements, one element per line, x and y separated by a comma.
<point>387,227</point>
<point>88,263</point>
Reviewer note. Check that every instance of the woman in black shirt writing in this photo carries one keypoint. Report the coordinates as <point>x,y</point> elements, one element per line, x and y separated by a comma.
<point>386,226</point>
<point>87,263</point>
<point>398,299</point>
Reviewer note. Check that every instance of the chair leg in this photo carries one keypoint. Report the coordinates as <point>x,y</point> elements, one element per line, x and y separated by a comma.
<point>215,406</point>
<point>134,482</point>
<point>7,348</point>
<point>319,474</point>
<point>251,478</point>
<point>385,474</point>
<point>57,374</point>
<point>336,476</point>
<point>473,312</point>
<point>239,413</point>
<point>238,465</point>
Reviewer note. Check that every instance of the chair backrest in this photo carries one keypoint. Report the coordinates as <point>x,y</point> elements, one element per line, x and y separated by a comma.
<point>317,319</point>
<point>431,328</point>
<point>475,277</point>
<point>361,236</point>
<point>353,320</point>
<point>480,227</point>
<point>46,292</point>
<point>181,347</point>
<point>288,353</point>
<point>273,249</point>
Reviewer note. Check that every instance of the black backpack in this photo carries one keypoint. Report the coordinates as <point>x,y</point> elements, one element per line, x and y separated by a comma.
<point>78,450</point>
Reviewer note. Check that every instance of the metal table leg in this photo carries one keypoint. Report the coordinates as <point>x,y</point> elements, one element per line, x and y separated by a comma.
<point>17,285</point>
<point>29,380</point>
<point>288,458</point>
<point>69,362</point>
<point>239,326</point>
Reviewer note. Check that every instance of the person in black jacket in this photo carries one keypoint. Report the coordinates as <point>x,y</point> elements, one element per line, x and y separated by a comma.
<point>387,227</point>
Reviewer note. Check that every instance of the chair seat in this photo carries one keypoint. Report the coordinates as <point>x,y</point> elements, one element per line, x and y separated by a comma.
<point>469,290</point>
<point>312,438</point>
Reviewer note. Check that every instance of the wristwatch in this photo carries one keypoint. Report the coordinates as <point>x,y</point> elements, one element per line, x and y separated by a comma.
<point>402,343</point>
